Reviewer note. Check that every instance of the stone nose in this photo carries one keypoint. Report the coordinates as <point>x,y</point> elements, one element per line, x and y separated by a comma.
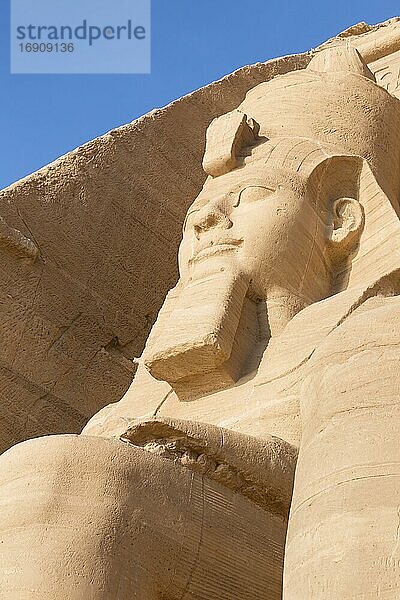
<point>213,215</point>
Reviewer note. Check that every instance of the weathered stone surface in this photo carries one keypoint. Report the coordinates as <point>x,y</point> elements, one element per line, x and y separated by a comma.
<point>255,453</point>
<point>107,220</point>
<point>83,309</point>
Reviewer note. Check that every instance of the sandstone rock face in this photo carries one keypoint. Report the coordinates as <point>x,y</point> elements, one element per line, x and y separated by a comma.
<point>88,251</point>
<point>255,454</point>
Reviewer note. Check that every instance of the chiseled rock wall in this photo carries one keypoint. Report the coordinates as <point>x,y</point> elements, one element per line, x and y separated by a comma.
<point>88,249</point>
<point>100,230</point>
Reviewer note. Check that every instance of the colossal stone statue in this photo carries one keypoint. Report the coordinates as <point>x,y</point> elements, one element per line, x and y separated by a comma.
<point>256,451</point>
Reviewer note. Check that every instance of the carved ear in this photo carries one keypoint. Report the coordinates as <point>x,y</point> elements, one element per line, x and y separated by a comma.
<point>346,227</point>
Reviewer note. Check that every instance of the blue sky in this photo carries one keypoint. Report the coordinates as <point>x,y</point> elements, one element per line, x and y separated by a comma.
<point>193,43</point>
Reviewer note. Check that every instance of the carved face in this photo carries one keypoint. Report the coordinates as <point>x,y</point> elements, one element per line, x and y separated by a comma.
<point>264,222</point>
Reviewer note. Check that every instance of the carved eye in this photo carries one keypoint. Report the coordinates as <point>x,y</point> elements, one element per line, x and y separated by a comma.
<point>254,193</point>
<point>198,204</point>
<point>194,209</point>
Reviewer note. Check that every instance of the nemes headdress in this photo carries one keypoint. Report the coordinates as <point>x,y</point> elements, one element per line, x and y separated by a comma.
<point>335,126</point>
<point>333,104</point>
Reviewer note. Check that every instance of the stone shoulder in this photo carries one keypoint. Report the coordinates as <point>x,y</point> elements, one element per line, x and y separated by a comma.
<point>373,324</point>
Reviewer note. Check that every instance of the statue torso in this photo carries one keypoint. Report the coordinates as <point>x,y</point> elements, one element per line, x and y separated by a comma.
<point>268,401</point>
